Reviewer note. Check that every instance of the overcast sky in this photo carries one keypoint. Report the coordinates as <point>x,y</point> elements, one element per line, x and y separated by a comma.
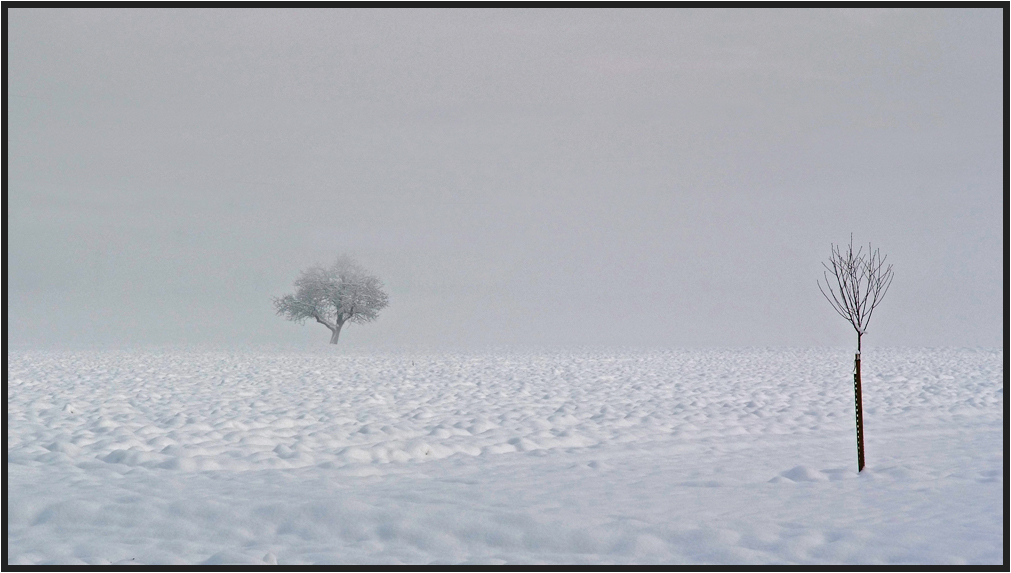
<point>661,178</point>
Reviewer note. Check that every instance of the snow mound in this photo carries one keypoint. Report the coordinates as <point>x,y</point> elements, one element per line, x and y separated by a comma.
<point>802,473</point>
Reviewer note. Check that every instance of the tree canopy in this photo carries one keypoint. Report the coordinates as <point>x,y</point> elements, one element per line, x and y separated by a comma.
<point>332,296</point>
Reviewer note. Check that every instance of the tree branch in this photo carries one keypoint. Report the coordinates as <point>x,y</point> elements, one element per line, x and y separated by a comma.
<point>323,322</point>
<point>861,282</point>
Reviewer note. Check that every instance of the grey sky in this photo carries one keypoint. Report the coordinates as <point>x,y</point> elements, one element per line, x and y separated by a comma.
<point>605,177</point>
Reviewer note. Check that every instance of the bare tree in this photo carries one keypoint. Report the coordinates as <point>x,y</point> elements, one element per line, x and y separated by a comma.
<point>861,281</point>
<point>333,296</point>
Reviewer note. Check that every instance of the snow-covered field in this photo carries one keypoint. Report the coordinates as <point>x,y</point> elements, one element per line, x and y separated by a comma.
<point>332,456</point>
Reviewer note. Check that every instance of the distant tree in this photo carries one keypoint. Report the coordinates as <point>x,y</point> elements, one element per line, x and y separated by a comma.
<point>333,296</point>
<point>861,281</point>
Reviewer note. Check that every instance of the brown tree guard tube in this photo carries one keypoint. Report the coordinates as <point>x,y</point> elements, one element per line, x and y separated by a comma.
<point>860,416</point>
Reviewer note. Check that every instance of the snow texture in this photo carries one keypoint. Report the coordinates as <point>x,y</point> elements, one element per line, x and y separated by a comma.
<point>576,457</point>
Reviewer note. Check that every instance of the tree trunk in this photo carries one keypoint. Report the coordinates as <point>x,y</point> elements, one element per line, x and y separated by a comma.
<point>336,333</point>
<point>860,413</point>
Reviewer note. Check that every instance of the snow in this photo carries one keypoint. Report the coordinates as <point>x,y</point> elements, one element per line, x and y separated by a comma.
<point>582,457</point>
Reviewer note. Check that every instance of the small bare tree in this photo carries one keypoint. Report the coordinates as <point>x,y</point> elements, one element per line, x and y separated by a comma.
<point>861,281</point>
<point>341,293</point>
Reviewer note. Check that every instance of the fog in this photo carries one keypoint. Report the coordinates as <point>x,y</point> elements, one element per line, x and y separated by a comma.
<point>662,178</point>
